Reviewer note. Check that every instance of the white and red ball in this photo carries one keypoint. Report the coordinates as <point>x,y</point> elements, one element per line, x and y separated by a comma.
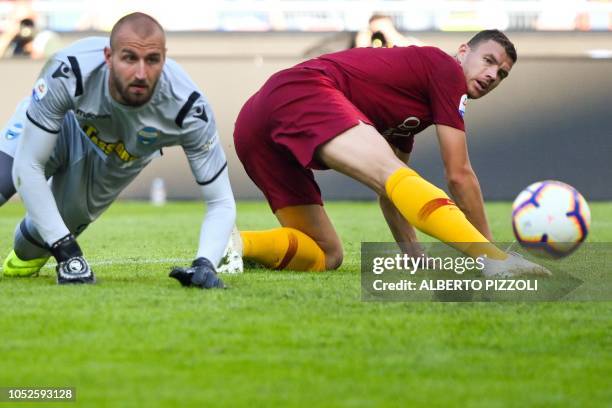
<point>550,218</point>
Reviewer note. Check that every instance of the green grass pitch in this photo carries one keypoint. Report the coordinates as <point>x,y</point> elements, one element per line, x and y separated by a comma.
<point>284,338</point>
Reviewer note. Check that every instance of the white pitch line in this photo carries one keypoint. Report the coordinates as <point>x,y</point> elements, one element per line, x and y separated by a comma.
<point>51,264</point>
<point>136,261</point>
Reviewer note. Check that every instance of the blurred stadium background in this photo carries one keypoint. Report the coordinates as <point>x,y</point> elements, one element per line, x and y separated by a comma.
<point>551,118</point>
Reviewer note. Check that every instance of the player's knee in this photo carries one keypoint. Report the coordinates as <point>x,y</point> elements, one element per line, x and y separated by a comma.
<point>382,171</point>
<point>333,258</point>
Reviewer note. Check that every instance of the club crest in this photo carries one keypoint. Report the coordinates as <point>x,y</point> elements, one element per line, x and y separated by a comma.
<point>462,104</point>
<point>148,135</point>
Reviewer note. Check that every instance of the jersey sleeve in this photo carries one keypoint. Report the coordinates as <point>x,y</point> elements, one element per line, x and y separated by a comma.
<point>447,93</point>
<point>52,96</point>
<point>201,141</point>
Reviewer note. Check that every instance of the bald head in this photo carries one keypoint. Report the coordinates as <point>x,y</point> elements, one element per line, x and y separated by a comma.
<point>137,24</point>
<point>135,58</point>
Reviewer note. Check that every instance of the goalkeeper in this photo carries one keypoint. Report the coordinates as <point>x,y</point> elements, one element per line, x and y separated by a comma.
<point>100,112</point>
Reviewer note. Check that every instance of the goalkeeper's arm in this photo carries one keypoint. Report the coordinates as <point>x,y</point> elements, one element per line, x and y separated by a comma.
<point>214,235</point>
<point>219,220</point>
<point>33,152</point>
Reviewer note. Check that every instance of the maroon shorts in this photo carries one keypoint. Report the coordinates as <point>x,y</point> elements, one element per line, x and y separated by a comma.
<point>280,127</point>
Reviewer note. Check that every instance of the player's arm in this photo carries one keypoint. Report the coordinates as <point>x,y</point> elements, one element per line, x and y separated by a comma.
<point>215,232</point>
<point>219,219</point>
<point>402,230</point>
<point>51,99</point>
<point>217,225</point>
<point>209,166</point>
<point>462,181</point>
<point>33,152</point>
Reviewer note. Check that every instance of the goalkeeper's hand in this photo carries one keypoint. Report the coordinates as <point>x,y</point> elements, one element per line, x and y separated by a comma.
<point>71,265</point>
<point>201,274</point>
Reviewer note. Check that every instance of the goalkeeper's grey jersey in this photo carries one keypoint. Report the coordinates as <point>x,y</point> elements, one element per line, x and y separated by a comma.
<point>74,87</point>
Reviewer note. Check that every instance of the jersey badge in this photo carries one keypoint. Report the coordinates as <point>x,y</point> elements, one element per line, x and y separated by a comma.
<point>148,135</point>
<point>40,89</point>
<point>462,104</point>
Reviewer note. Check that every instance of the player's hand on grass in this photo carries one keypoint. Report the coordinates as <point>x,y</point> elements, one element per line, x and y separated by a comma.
<point>412,248</point>
<point>201,274</point>
<point>71,265</point>
<point>513,266</point>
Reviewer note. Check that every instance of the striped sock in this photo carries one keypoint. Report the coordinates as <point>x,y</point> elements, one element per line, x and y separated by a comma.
<point>283,248</point>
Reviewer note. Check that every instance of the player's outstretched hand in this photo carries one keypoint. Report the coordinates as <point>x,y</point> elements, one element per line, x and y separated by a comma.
<point>513,266</point>
<point>201,274</point>
<point>71,265</point>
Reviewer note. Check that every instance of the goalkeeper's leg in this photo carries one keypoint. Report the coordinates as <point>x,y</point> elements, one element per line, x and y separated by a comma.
<point>28,256</point>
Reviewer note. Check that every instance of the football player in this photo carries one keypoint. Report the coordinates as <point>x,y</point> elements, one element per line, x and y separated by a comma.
<point>357,112</point>
<point>101,110</point>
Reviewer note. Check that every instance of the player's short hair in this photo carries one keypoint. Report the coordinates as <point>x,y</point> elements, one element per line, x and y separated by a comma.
<point>142,23</point>
<point>496,36</point>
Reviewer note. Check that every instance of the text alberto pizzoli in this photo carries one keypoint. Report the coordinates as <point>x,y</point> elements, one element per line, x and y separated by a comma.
<point>408,264</point>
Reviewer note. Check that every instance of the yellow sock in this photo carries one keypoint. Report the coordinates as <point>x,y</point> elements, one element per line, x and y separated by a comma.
<point>430,210</point>
<point>283,248</point>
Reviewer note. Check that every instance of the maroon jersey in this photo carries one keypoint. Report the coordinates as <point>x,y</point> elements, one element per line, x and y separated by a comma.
<point>402,90</point>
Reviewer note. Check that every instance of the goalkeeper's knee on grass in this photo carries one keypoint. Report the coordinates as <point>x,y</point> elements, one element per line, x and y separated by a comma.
<point>283,248</point>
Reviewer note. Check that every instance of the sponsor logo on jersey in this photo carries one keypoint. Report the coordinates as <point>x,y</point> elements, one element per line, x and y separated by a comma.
<point>210,143</point>
<point>61,72</point>
<point>147,135</point>
<point>13,131</point>
<point>107,147</point>
<point>405,128</point>
<point>200,113</point>
<point>90,115</point>
<point>40,89</point>
<point>462,104</point>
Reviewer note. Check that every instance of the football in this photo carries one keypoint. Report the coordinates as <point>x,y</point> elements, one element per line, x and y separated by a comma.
<point>550,219</point>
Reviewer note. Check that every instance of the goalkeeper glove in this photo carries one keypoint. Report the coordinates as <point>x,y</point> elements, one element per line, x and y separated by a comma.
<point>201,274</point>
<point>71,266</point>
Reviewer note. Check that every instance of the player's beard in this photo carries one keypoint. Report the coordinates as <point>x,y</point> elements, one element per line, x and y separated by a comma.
<point>131,99</point>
